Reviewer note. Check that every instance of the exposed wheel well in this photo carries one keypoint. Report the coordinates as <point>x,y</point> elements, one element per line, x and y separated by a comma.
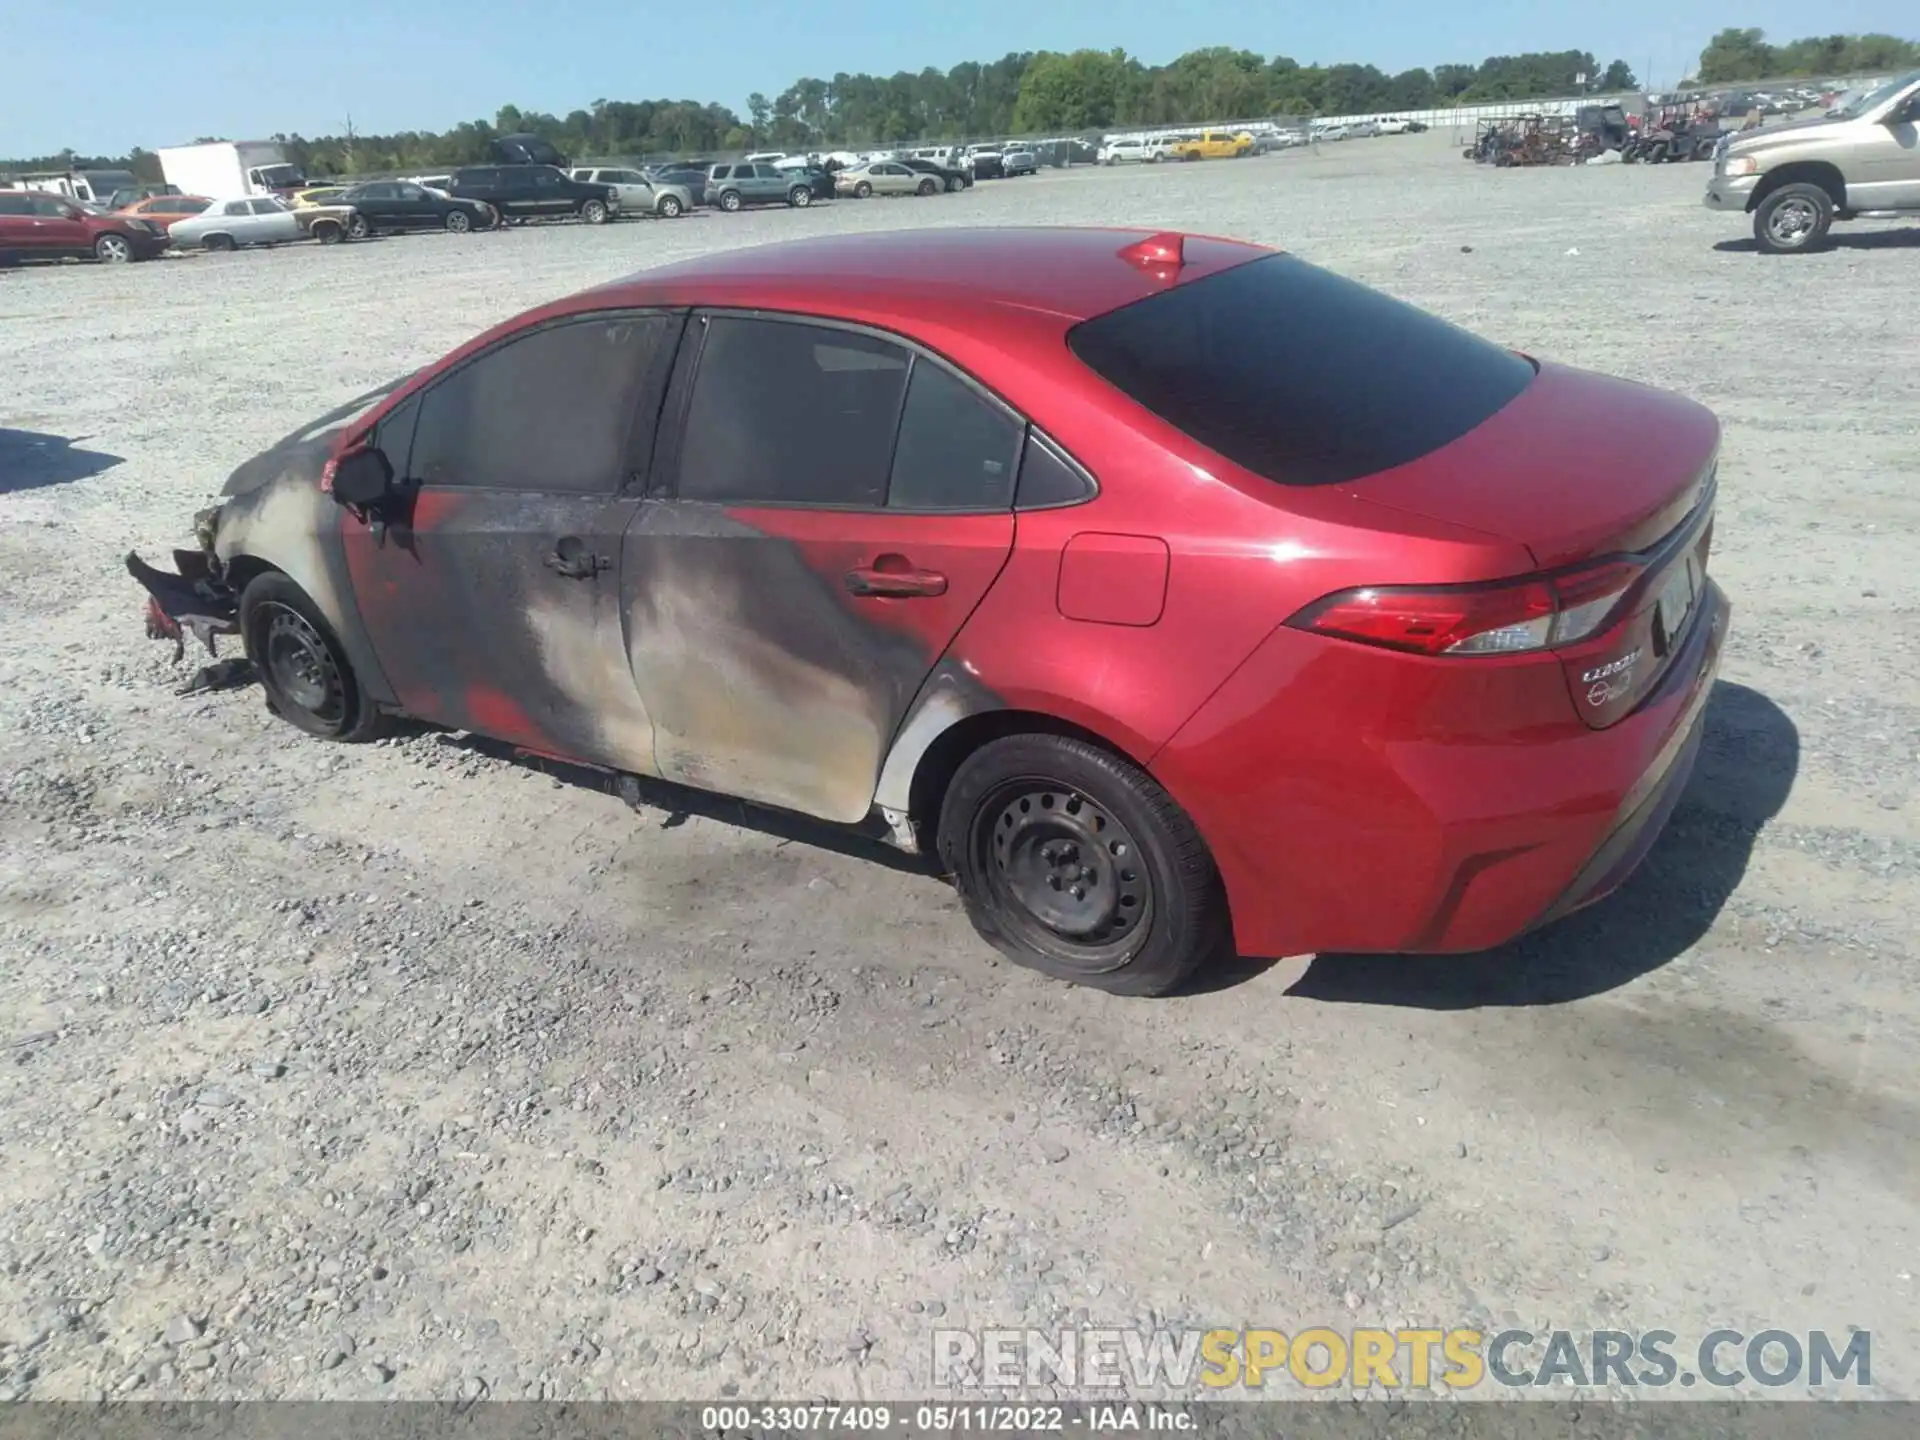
<point>944,757</point>
<point>243,570</point>
<point>1804,172</point>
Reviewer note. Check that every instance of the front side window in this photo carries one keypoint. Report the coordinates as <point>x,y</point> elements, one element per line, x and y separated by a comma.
<point>47,205</point>
<point>558,410</point>
<point>791,413</point>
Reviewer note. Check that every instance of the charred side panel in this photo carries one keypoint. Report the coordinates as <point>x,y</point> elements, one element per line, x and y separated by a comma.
<point>952,693</point>
<point>765,678</point>
<point>482,630</point>
<point>274,511</point>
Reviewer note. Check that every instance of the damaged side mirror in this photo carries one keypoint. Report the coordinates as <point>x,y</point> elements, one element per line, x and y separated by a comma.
<point>363,480</point>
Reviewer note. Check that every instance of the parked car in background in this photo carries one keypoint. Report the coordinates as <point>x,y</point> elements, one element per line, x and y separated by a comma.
<point>129,195</point>
<point>1390,126</point>
<point>690,173</point>
<point>1018,162</point>
<point>396,205</point>
<point>1363,130</point>
<point>738,185</point>
<point>639,195</point>
<point>1128,149</point>
<point>163,210</point>
<point>885,177</point>
<point>245,220</point>
<point>1328,132</point>
<point>533,192</point>
<point>987,162</point>
<point>315,195</point>
<point>40,225</point>
<point>951,177</point>
<point>1213,145</point>
<point>1797,177</point>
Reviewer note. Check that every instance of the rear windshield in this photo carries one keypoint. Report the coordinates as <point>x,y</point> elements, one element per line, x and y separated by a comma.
<point>1298,375</point>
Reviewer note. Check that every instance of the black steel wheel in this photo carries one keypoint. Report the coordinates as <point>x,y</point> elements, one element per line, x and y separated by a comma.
<point>308,681</point>
<point>1059,864</point>
<point>1074,862</point>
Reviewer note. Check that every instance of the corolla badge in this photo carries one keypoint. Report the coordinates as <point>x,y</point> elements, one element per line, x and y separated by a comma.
<point>1611,680</point>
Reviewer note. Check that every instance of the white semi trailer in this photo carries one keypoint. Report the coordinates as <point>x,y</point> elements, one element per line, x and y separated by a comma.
<point>224,169</point>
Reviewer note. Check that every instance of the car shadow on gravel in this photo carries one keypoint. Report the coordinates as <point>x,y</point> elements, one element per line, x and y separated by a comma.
<point>1749,757</point>
<point>1905,239</point>
<point>30,460</point>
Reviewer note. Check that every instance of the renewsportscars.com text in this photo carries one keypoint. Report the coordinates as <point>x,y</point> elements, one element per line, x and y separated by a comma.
<point>1320,1358</point>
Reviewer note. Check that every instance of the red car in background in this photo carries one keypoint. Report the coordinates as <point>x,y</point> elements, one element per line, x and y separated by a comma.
<point>39,225</point>
<point>1173,592</point>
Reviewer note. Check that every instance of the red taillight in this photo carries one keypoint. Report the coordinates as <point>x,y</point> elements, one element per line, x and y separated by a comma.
<point>1507,617</point>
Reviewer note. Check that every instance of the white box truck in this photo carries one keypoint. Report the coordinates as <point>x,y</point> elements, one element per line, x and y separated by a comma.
<point>223,169</point>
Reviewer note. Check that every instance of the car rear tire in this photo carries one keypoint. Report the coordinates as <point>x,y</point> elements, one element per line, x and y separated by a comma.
<point>800,197</point>
<point>926,188</point>
<point>730,200</point>
<point>458,222</point>
<point>1074,862</point>
<point>863,191</point>
<point>670,206</point>
<point>113,249</point>
<point>1793,219</point>
<point>302,668</point>
<point>594,212</point>
<point>357,227</point>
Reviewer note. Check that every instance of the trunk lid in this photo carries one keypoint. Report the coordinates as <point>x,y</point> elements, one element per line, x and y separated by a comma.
<point>1576,465</point>
<point>1580,468</point>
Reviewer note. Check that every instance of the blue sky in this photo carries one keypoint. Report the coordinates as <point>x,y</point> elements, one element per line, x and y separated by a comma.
<point>76,74</point>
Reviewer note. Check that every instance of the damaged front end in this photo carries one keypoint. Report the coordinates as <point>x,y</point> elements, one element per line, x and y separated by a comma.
<point>193,599</point>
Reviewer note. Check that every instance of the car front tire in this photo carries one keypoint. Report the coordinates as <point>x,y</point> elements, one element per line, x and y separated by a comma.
<point>1793,219</point>
<point>302,668</point>
<point>670,206</point>
<point>458,222</point>
<point>800,197</point>
<point>113,249</point>
<point>1075,862</point>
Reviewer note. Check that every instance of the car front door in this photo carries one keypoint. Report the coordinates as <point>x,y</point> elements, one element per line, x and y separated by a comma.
<point>836,505</point>
<point>492,596</point>
<point>1889,163</point>
<point>62,232</point>
<point>20,236</point>
<point>549,195</point>
<point>273,222</point>
<point>414,208</point>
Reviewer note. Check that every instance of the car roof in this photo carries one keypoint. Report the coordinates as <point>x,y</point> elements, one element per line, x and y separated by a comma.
<point>1072,272</point>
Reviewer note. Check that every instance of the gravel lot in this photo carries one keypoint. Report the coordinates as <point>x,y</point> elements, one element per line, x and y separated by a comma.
<point>408,1071</point>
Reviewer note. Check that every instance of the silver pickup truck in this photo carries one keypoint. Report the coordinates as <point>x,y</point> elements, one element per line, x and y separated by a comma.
<point>1858,161</point>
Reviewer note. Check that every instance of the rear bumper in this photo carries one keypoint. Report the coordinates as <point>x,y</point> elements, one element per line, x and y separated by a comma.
<point>1362,813</point>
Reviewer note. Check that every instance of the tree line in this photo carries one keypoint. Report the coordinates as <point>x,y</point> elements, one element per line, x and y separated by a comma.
<point>1028,93</point>
<point>1736,55</point>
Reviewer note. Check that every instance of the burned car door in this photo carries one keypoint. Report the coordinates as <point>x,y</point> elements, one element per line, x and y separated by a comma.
<point>837,504</point>
<point>491,595</point>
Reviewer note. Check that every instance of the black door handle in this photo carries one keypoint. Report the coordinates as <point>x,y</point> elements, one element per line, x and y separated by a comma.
<point>573,561</point>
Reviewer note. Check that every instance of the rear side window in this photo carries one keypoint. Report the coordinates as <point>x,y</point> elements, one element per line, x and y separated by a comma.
<point>1299,375</point>
<point>15,205</point>
<point>957,449</point>
<point>786,413</point>
<point>720,172</point>
<point>554,411</point>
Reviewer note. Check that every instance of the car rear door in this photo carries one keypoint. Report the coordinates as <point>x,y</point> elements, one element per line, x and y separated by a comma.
<point>492,599</point>
<point>832,507</point>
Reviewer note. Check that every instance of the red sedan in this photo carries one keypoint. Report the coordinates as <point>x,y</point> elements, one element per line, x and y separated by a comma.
<point>1172,592</point>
